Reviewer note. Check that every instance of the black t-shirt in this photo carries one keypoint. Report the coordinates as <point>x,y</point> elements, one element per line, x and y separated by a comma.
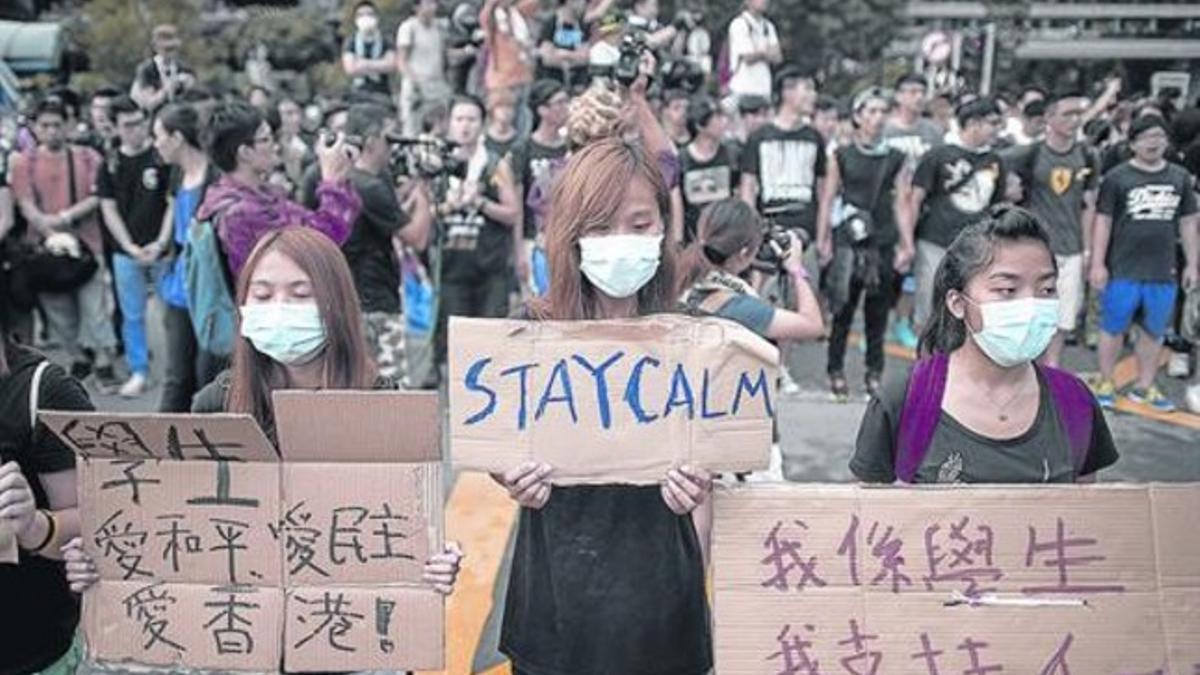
<point>371,49</point>
<point>500,148</point>
<point>138,183</point>
<point>148,74</point>
<point>705,182</point>
<point>606,579</point>
<point>1145,209</point>
<point>474,246</point>
<point>369,248</point>
<point>869,184</point>
<point>42,613</point>
<point>567,35</point>
<point>1054,185</point>
<point>787,163</point>
<point>531,162</point>
<point>958,455</point>
<point>960,185</point>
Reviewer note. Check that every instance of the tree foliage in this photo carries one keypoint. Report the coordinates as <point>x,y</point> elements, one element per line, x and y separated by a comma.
<point>116,34</point>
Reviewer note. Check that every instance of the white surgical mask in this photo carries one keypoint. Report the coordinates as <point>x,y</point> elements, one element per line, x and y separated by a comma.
<point>1016,331</point>
<point>287,332</point>
<point>366,23</point>
<point>620,264</point>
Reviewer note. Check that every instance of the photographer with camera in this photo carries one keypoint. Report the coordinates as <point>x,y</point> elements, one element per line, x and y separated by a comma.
<point>478,213</point>
<point>866,245</point>
<point>387,216</point>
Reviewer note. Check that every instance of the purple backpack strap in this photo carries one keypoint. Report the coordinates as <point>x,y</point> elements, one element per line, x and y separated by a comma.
<point>1076,410</point>
<point>919,417</point>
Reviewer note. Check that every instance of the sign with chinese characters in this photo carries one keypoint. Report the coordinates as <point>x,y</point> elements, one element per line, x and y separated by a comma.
<point>216,552</point>
<point>844,580</point>
<point>610,401</point>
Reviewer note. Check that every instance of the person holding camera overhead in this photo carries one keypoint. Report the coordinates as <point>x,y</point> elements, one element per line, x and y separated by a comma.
<point>866,245</point>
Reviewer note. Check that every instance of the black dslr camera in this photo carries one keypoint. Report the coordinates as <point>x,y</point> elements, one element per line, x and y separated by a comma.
<point>629,62</point>
<point>775,247</point>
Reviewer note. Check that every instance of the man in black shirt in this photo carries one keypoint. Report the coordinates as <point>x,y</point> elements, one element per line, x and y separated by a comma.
<point>531,163</point>
<point>783,165</point>
<point>953,187</point>
<point>382,222</point>
<point>563,46</point>
<point>132,187</point>
<point>709,171</point>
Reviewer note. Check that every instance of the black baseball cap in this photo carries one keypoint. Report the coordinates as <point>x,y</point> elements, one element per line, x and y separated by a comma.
<point>752,103</point>
<point>543,90</point>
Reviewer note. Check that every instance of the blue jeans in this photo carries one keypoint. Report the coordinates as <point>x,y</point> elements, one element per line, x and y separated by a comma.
<point>134,281</point>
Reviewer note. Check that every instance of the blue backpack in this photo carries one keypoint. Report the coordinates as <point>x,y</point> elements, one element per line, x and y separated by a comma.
<point>210,304</point>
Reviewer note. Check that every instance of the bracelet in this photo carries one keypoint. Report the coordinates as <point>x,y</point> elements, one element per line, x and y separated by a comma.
<point>51,530</point>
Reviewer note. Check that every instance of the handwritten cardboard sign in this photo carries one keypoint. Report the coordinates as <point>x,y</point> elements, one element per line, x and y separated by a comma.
<point>610,401</point>
<point>9,553</point>
<point>216,552</point>
<point>1103,580</point>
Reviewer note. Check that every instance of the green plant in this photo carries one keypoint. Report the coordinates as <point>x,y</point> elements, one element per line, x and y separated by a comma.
<point>116,34</point>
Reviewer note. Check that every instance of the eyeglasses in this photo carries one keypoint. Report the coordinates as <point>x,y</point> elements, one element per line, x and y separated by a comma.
<point>259,140</point>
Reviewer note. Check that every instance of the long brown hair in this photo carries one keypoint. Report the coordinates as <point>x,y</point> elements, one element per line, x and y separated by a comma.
<point>725,229</point>
<point>347,361</point>
<point>590,190</point>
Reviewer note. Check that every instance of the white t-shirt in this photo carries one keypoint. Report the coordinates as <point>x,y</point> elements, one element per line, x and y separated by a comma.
<point>749,34</point>
<point>425,48</point>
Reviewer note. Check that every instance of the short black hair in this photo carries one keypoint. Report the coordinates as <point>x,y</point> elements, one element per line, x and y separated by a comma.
<point>911,78</point>
<point>123,105</point>
<point>1035,108</point>
<point>50,105</point>
<point>540,94</point>
<point>976,108</point>
<point>233,125</point>
<point>107,91</point>
<point>700,112</point>
<point>1062,95</point>
<point>366,120</point>
<point>789,75</point>
<point>826,103</point>
<point>364,3</point>
<point>185,119</point>
<point>467,99</point>
<point>751,103</point>
<point>672,95</point>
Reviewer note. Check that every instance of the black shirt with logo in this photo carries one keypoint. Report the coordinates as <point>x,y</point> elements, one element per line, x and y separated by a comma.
<point>474,246</point>
<point>960,185</point>
<point>138,184</point>
<point>869,184</point>
<point>1145,208</point>
<point>531,163</point>
<point>704,182</point>
<point>1054,185</point>
<point>787,163</point>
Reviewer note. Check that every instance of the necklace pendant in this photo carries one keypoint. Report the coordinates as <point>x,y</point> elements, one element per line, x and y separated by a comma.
<point>1003,418</point>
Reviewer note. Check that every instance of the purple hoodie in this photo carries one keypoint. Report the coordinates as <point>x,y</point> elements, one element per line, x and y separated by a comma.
<point>246,213</point>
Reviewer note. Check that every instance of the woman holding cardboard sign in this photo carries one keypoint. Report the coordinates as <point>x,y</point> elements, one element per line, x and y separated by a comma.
<point>608,578</point>
<point>301,328</point>
<point>37,511</point>
<point>976,408</point>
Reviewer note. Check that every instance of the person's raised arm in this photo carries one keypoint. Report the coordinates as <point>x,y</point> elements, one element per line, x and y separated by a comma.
<point>420,213</point>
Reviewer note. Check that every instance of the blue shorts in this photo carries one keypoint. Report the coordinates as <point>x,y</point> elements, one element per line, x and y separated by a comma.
<point>1122,298</point>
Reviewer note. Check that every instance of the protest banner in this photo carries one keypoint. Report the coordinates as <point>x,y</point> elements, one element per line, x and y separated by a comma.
<point>216,552</point>
<point>9,553</point>
<point>1103,580</point>
<point>610,401</point>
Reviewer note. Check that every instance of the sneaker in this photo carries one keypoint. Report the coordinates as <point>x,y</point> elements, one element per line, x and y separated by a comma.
<point>838,388</point>
<point>1152,397</point>
<point>871,383</point>
<point>80,370</point>
<point>106,379</point>
<point>134,387</point>
<point>1106,394</point>
<point>787,385</point>
<point>1192,397</point>
<point>903,334</point>
<point>1179,365</point>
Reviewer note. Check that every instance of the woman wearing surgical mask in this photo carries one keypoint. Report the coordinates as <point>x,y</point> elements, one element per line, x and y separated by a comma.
<point>977,408</point>
<point>608,578</point>
<point>301,328</point>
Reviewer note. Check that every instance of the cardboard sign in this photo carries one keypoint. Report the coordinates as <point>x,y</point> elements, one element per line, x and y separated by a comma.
<point>9,553</point>
<point>215,552</point>
<point>610,401</point>
<point>1103,580</point>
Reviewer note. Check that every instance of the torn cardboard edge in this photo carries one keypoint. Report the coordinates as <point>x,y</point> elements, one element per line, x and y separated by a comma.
<point>10,552</point>
<point>664,391</point>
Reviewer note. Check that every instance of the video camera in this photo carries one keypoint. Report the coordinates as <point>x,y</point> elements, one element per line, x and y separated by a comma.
<point>425,157</point>
<point>629,62</point>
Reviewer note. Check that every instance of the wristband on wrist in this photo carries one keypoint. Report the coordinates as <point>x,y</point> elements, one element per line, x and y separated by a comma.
<point>51,528</point>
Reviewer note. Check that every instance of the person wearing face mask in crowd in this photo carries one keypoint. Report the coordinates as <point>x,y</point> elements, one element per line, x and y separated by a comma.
<point>647,545</point>
<point>871,240</point>
<point>368,56</point>
<point>976,408</point>
<point>300,328</point>
<point>244,206</point>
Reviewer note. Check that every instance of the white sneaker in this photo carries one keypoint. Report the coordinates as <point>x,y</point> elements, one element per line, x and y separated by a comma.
<point>1178,365</point>
<point>787,385</point>
<point>134,387</point>
<point>1192,398</point>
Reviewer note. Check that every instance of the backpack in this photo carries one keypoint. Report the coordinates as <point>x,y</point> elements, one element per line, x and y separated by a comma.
<point>923,407</point>
<point>210,303</point>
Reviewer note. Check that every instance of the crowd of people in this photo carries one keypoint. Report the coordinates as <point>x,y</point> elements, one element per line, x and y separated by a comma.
<point>590,163</point>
